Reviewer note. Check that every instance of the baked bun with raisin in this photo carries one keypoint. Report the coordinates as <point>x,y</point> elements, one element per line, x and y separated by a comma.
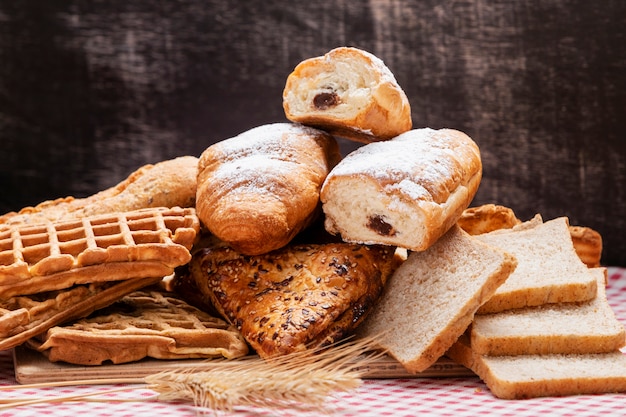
<point>405,192</point>
<point>349,93</point>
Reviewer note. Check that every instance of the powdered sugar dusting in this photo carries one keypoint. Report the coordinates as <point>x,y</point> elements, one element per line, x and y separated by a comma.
<point>414,163</point>
<point>252,172</point>
<point>270,139</point>
<point>379,66</point>
<point>414,190</point>
<point>260,158</point>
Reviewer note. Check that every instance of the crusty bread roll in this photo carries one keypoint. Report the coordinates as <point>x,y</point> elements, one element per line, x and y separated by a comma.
<point>257,190</point>
<point>350,93</point>
<point>487,218</point>
<point>170,183</point>
<point>588,245</point>
<point>405,192</point>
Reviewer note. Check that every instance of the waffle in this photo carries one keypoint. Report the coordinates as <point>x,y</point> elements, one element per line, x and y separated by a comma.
<point>147,323</point>
<point>24,317</point>
<point>135,244</point>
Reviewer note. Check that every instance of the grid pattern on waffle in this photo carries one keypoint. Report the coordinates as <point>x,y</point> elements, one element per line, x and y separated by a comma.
<point>149,312</point>
<point>144,323</point>
<point>24,317</point>
<point>43,249</point>
<point>17,313</point>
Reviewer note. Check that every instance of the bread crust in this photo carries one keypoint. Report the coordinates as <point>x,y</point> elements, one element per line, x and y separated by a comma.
<point>257,190</point>
<point>350,93</point>
<point>549,269</point>
<point>533,376</point>
<point>406,192</point>
<point>489,217</point>
<point>563,328</point>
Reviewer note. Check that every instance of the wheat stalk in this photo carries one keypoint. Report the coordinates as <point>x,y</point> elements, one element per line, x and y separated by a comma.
<point>302,380</point>
<point>299,380</point>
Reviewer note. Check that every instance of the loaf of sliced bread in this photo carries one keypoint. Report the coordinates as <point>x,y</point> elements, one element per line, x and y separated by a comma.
<point>432,297</point>
<point>586,327</point>
<point>548,270</point>
<point>531,376</point>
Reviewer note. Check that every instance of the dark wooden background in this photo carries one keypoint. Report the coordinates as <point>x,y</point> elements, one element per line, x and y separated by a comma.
<point>91,90</point>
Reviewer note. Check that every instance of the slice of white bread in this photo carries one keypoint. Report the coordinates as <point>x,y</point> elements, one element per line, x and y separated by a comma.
<point>489,217</point>
<point>548,271</point>
<point>531,376</point>
<point>432,297</point>
<point>587,327</point>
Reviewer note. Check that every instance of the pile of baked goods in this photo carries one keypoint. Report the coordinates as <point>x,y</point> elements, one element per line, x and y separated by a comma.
<point>271,242</point>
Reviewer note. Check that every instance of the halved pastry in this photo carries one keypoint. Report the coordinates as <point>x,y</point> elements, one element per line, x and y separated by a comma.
<point>350,93</point>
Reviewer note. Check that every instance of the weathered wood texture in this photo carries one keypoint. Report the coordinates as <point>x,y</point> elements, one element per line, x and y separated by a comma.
<point>89,91</point>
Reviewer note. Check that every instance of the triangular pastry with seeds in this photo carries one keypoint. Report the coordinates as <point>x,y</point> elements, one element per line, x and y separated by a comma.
<point>298,297</point>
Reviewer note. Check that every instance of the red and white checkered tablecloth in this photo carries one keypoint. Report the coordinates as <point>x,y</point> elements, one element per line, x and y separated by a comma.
<point>454,397</point>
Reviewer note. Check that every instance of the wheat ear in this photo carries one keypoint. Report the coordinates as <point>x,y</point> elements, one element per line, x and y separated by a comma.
<point>299,380</point>
<point>302,380</point>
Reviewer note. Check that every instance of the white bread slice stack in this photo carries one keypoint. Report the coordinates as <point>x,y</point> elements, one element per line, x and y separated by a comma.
<point>432,297</point>
<point>587,327</point>
<point>531,376</point>
<point>549,269</point>
<point>556,348</point>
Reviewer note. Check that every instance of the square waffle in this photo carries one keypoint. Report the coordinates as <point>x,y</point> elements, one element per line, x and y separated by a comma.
<point>56,255</point>
<point>145,323</point>
<point>23,317</point>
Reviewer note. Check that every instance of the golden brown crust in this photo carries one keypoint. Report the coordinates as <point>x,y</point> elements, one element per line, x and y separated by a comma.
<point>37,313</point>
<point>257,190</point>
<point>350,93</point>
<point>169,183</point>
<point>487,218</point>
<point>297,297</point>
<point>56,255</point>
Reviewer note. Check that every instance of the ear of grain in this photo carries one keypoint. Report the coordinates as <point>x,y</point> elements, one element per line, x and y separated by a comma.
<point>299,380</point>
